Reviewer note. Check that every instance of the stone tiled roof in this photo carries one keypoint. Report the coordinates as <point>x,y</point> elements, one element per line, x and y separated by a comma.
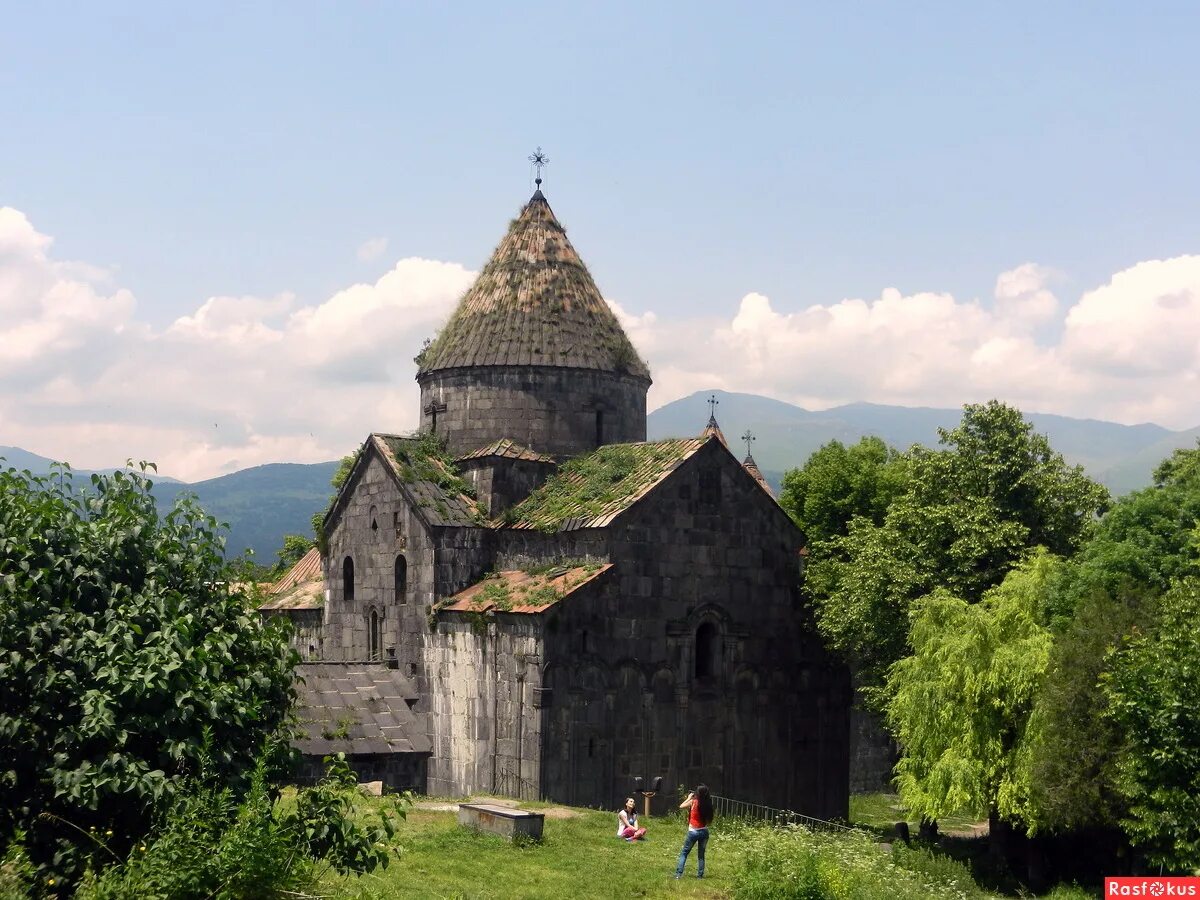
<point>357,708</point>
<point>302,587</point>
<point>712,429</point>
<point>534,304</point>
<point>752,467</point>
<point>441,496</point>
<point>516,591</point>
<point>305,595</point>
<point>507,449</point>
<point>590,491</point>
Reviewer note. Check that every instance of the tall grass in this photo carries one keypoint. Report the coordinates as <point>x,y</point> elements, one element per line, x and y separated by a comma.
<point>796,864</point>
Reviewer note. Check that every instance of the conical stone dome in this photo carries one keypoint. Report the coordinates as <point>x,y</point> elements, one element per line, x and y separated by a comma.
<point>533,353</point>
<point>534,304</point>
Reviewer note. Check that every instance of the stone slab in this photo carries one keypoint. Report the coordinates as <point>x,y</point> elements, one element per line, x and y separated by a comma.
<point>502,820</point>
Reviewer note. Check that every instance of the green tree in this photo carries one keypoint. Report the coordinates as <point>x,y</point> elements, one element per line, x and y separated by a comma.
<point>1108,591</point>
<point>1144,543</point>
<point>970,512</point>
<point>1151,687</point>
<point>345,467</point>
<point>1071,756</point>
<point>960,704</point>
<point>839,483</point>
<point>995,455</point>
<point>125,661</point>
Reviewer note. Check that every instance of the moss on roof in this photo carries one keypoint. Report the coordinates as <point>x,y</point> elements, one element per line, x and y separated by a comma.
<point>589,491</point>
<point>521,591</point>
<point>423,465</point>
<point>534,304</point>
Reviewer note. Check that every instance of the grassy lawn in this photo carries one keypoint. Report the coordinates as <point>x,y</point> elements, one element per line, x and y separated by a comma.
<point>579,856</point>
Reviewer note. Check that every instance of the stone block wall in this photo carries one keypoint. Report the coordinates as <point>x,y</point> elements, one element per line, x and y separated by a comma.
<point>500,482</point>
<point>308,633</point>
<point>397,771</point>
<point>484,681</point>
<point>375,526</point>
<point>550,410</point>
<point>873,753</point>
<point>705,566</point>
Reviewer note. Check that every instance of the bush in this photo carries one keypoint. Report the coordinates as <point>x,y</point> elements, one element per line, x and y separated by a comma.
<point>210,845</point>
<point>796,864</point>
<point>120,642</point>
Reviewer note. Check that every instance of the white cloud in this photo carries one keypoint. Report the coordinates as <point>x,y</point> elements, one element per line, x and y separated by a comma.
<point>247,380</point>
<point>239,382</point>
<point>1128,351</point>
<point>372,249</point>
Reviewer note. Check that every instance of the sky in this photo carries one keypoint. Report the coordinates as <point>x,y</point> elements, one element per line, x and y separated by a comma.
<point>226,229</point>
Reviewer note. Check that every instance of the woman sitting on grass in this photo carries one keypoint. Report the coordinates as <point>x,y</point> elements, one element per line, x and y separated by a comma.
<point>627,826</point>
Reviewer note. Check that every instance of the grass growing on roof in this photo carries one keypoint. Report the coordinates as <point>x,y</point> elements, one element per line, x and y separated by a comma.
<point>587,485</point>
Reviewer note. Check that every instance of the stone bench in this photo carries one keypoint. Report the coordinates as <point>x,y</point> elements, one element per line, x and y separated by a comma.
<point>502,820</point>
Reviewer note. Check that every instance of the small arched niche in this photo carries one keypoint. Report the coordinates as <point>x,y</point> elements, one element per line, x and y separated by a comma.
<point>708,651</point>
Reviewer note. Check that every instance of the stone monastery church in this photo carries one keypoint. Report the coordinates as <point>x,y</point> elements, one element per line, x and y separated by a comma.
<point>528,598</point>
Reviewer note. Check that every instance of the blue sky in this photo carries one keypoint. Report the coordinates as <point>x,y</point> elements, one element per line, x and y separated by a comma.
<point>699,152</point>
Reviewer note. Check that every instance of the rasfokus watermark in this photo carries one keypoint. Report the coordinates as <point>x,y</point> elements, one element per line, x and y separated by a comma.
<point>1151,886</point>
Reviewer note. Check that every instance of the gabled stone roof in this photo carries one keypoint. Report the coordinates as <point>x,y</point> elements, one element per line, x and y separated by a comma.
<point>306,569</point>
<point>355,708</point>
<point>516,591</point>
<point>752,467</point>
<point>534,304</point>
<point>441,496</point>
<point>712,429</point>
<point>506,449</point>
<point>302,587</point>
<point>590,491</point>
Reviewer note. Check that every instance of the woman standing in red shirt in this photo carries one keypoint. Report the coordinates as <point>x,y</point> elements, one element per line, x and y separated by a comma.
<point>700,812</point>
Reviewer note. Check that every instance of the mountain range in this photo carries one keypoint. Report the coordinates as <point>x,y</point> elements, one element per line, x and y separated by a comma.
<point>263,503</point>
<point>1122,457</point>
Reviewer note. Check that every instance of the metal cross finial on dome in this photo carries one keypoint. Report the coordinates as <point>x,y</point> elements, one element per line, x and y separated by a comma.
<point>713,403</point>
<point>539,159</point>
<point>749,439</point>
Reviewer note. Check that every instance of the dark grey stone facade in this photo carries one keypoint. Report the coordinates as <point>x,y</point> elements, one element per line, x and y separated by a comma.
<point>557,411</point>
<point>686,652</point>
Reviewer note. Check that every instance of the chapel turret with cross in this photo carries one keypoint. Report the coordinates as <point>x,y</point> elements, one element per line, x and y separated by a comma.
<point>750,465</point>
<point>712,429</point>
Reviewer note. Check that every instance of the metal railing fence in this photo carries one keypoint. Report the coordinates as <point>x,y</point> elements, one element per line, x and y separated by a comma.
<point>727,807</point>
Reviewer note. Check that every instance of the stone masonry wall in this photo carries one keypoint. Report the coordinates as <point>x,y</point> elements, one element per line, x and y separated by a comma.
<point>550,410</point>
<point>705,566</point>
<point>500,482</point>
<point>375,527</point>
<point>397,771</point>
<point>308,633</point>
<point>484,682</point>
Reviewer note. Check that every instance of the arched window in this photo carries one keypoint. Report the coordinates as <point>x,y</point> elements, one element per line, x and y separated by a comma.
<point>708,651</point>
<point>348,580</point>
<point>373,636</point>
<point>401,580</point>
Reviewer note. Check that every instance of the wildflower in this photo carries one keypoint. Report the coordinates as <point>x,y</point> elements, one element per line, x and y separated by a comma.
<point>108,833</point>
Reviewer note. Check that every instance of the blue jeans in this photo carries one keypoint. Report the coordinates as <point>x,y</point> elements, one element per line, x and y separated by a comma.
<point>699,837</point>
